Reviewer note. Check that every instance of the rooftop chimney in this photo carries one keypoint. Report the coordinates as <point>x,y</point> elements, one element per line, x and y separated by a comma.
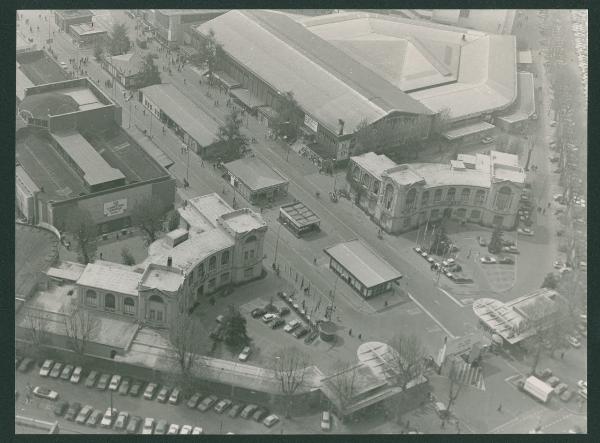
<point>170,261</point>
<point>341,123</point>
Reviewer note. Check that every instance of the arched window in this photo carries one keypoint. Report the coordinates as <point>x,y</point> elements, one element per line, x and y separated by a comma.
<point>366,179</point>
<point>251,239</point>
<point>411,198</point>
<point>212,263</point>
<point>503,198</point>
<point>388,196</point>
<point>437,196</point>
<point>156,308</point>
<point>425,198</point>
<point>479,197</point>
<point>109,301</point>
<point>129,306</point>
<point>376,184</point>
<point>91,298</point>
<point>225,257</point>
<point>155,298</point>
<point>465,195</point>
<point>451,194</point>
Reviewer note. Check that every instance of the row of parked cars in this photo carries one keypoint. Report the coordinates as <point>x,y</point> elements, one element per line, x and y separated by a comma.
<point>561,389</point>
<point>449,268</point>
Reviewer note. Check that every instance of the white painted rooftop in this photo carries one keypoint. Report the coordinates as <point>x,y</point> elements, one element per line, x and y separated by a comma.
<point>110,276</point>
<point>373,163</point>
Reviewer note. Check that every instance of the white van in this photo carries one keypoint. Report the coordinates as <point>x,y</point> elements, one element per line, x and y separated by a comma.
<point>441,409</point>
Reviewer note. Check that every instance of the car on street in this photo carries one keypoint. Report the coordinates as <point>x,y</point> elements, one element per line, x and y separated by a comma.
<point>269,317</point>
<point>124,388</point>
<point>90,381</point>
<point>222,405</point>
<point>291,326</point>
<point>417,249</point>
<point>560,388</point>
<point>161,427</point>
<point>83,415</point>
<point>108,417</point>
<point>526,231</point>
<point>197,430</point>
<point>115,381</point>
<point>301,332</point>
<point>326,421</point>
<point>185,430</point>
<point>448,262</point>
<point>244,354</point>
<point>582,384</point>
<point>163,395</point>
<point>66,372</point>
<point>510,249</point>
<point>121,421</point>
<point>150,391</point>
<point>148,426</point>
<point>487,140</point>
<point>173,429</point>
<point>546,374</point>
<point>567,395</point>
<point>440,409</point>
<point>260,414</point>
<point>482,241</point>
<point>76,375</point>
<point>46,368</point>
<point>207,403</point>
<point>311,337</point>
<point>258,312</point>
<point>487,260</point>
<point>56,370</point>
<point>25,364</point>
<point>235,410</point>
<point>72,411</point>
<point>553,381</point>
<point>44,392</point>
<point>574,341</point>
<point>60,408</point>
<point>174,397</point>
<point>94,418</point>
<point>248,411</point>
<point>506,260</point>
<point>193,401</point>
<point>134,424</point>
<point>63,65</point>
<point>271,421</point>
<point>430,259</point>
<point>136,388</point>
<point>103,382</point>
<point>277,323</point>
<point>424,254</point>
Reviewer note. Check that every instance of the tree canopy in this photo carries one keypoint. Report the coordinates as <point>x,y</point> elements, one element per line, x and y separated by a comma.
<point>230,135</point>
<point>149,74</point>
<point>289,115</point>
<point>118,40</point>
<point>148,215</point>
<point>234,328</point>
<point>495,245</point>
<point>440,243</point>
<point>81,225</point>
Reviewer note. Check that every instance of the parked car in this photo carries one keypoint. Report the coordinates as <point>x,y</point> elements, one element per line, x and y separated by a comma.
<point>174,397</point>
<point>311,337</point>
<point>193,401</point>
<point>284,311</point>
<point>134,424</point>
<point>277,323</point>
<point>150,391</point>
<point>83,415</point>
<point>148,425</point>
<point>269,317</point>
<point>301,332</point>
<point>546,373</point>
<point>121,421</point>
<point>222,405</point>
<point>291,326</point>
<point>440,409</point>
<point>326,421</point>
<point>25,364</point>
<point>103,382</point>
<point>124,387</point>
<point>163,395</point>
<point>583,393</point>
<point>173,429</point>
<point>44,392</point>
<point>136,388</point>
<point>60,408</point>
<point>482,241</point>
<point>581,384</point>
<point>510,249</point>
<point>448,262</point>
<point>553,381</point>
<point>90,381</point>
<point>248,411</point>
<point>115,382</point>
<point>487,140</point>
<point>526,231</point>
<point>197,430</point>
<point>271,421</point>
<point>108,417</point>
<point>76,375</point>
<point>161,427</point>
<point>94,418</point>
<point>260,414</point>
<point>574,341</point>
<point>244,354</point>
<point>566,395</point>
<point>235,410</point>
<point>72,411</point>
<point>560,388</point>
<point>185,430</point>
<point>506,260</point>
<point>487,260</point>
<point>258,312</point>
<point>207,403</point>
<point>66,372</point>
<point>56,370</point>
<point>46,368</point>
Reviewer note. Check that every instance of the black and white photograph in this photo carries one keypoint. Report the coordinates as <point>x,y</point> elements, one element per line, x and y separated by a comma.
<point>300,221</point>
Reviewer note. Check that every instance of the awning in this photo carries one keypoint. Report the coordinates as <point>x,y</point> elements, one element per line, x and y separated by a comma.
<point>246,98</point>
<point>226,79</point>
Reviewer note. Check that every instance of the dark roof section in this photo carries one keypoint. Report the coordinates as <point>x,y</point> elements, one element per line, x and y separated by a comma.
<point>53,103</point>
<point>40,68</point>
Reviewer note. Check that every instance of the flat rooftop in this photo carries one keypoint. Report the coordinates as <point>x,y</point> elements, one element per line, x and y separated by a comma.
<point>210,206</point>
<point>524,107</point>
<point>61,101</point>
<point>87,29</point>
<point>367,267</point>
<point>162,278</point>
<point>72,13</point>
<point>111,277</point>
<point>373,163</point>
<point>300,214</point>
<point>66,270</point>
<point>470,129</point>
<point>191,118</point>
<point>254,173</point>
<point>436,174</point>
<point>243,220</point>
<point>36,249</point>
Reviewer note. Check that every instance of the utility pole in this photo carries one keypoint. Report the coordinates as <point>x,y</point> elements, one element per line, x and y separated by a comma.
<point>187,170</point>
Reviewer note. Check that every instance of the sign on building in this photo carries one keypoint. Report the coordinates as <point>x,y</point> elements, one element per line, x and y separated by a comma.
<point>115,207</point>
<point>311,123</point>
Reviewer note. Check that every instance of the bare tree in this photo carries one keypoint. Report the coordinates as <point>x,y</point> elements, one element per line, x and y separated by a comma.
<point>36,322</point>
<point>408,360</point>
<point>81,225</point>
<point>148,215</point>
<point>343,383</point>
<point>186,346</point>
<point>80,325</point>
<point>456,384</point>
<point>290,366</point>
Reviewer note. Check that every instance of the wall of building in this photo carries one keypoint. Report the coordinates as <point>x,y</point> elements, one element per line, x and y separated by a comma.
<point>497,21</point>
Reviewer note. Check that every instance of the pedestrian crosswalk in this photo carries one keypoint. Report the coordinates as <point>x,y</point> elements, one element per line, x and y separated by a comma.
<point>470,375</point>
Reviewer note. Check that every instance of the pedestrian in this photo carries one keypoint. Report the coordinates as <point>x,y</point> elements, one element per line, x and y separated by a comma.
<point>548,204</point>
<point>202,164</point>
<point>360,336</point>
<point>315,260</point>
<point>562,355</point>
<point>184,81</point>
<point>500,407</point>
<point>350,332</point>
<point>544,211</point>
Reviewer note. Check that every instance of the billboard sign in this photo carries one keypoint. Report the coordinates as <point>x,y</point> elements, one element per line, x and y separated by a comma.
<point>115,207</point>
<point>311,123</point>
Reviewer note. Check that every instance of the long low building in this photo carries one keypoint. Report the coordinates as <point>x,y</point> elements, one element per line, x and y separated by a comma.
<point>479,188</point>
<point>365,272</point>
<point>255,181</point>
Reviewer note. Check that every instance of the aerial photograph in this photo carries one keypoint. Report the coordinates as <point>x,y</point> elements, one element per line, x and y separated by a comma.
<point>301,221</point>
